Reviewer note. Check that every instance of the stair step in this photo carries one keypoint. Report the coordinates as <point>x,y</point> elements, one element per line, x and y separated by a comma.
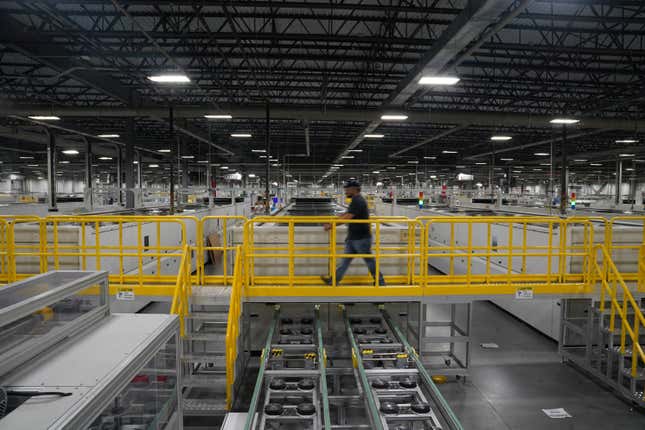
<point>217,381</point>
<point>204,406</point>
<point>204,357</point>
<point>205,337</point>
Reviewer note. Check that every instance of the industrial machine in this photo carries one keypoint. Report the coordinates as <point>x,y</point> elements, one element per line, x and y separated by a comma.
<point>68,363</point>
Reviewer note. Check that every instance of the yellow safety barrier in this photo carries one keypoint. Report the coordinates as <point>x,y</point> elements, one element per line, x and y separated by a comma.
<point>610,288</point>
<point>298,259</point>
<point>499,254</point>
<point>641,270</point>
<point>183,290</point>
<point>233,324</point>
<point>627,251</point>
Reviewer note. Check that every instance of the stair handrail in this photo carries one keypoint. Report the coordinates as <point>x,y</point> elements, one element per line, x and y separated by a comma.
<point>233,324</point>
<point>183,290</point>
<point>610,279</point>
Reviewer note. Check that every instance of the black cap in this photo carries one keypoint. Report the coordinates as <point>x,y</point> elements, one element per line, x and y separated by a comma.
<point>352,183</point>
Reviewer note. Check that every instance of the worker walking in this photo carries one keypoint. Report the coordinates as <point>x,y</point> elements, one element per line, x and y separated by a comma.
<point>359,235</point>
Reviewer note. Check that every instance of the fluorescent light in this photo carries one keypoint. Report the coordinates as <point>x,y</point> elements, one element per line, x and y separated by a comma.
<point>542,154</point>
<point>394,117</point>
<point>105,158</point>
<point>506,159</point>
<point>375,136</point>
<point>251,175</point>
<point>188,157</point>
<point>354,150</point>
<point>545,164</point>
<point>241,135</point>
<point>202,161</point>
<point>70,152</point>
<point>169,79</point>
<point>429,158</point>
<point>26,157</point>
<point>32,165</point>
<point>481,164</point>
<point>460,167</point>
<point>163,150</point>
<point>218,116</point>
<point>629,169</point>
<point>580,161</point>
<point>347,156</point>
<point>376,172</point>
<point>501,138</point>
<point>153,165</point>
<point>338,165</point>
<point>135,162</point>
<point>413,162</point>
<point>595,164</point>
<point>627,155</point>
<point>564,121</point>
<point>448,152</point>
<point>44,117</point>
<point>259,151</point>
<point>109,136</point>
<point>627,141</point>
<point>224,167</point>
<point>64,162</point>
<point>537,170</point>
<point>438,80</point>
<point>391,167</point>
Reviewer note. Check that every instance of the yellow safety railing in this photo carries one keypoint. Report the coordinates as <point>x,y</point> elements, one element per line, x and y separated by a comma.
<point>233,324</point>
<point>622,305</point>
<point>641,270</point>
<point>221,226</point>
<point>7,273</point>
<point>183,290</point>
<point>294,269</point>
<point>499,254</point>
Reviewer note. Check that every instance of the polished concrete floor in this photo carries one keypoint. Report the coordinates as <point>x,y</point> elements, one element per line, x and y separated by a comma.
<point>509,386</point>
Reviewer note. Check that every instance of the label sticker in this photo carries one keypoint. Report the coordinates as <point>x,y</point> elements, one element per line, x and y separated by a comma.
<point>558,413</point>
<point>525,293</point>
<point>125,294</point>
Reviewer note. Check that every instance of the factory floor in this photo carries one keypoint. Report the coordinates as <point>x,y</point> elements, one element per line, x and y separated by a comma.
<point>509,386</point>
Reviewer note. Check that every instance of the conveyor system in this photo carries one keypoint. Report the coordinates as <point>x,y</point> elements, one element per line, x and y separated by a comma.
<point>321,206</point>
<point>360,374</point>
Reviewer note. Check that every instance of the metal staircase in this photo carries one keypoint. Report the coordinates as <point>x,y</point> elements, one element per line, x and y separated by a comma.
<point>204,354</point>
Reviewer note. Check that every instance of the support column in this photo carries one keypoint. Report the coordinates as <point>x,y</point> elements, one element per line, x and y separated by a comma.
<point>619,181</point>
<point>171,137</point>
<point>564,177</point>
<point>51,172</point>
<point>129,164</point>
<point>89,186</point>
<point>139,173</point>
<point>267,147</point>
<point>208,181</point>
<point>119,175</point>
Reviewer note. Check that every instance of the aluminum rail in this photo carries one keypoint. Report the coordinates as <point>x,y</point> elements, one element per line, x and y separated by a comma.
<point>266,353</point>
<point>322,360</point>
<point>374,414</point>
<point>444,409</point>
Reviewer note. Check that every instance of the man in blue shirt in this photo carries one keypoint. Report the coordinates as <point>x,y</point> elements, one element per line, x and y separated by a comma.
<point>359,235</point>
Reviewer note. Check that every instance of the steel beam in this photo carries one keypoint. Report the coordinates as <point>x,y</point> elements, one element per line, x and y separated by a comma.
<point>129,164</point>
<point>51,172</point>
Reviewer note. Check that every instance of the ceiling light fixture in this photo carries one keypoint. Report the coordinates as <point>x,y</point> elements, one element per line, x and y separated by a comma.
<point>393,117</point>
<point>580,160</point>
<point>109,136</point>
<point>354,150</point>
<point>105,158</point>
<point>627,155</point>
<point>218,116</point>
<point>169,79</point>
<point>627,141</point>
<point>347,156</point>
<point>259,151</point>
<point>501,138</point>
<point>64,162</point>
<point>413,162</point>
<point>241,135</point>
<point>44,117</point>
<point>438,80</point>
<point>564,121</point>
<point>376,172</point>
<point>70,152</point>
<point>164,150</point>
<point>542,154</point>
<point>374,136</point>
<point>506,159</point>
<point>480,164</point>
<point>429,158</point>
<point>153,165</point>
<point>202,161</point>
<point>595,164</point>
<point>448,152</point>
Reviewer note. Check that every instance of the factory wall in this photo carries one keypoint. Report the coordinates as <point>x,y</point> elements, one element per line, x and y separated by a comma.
<point>20,185</point>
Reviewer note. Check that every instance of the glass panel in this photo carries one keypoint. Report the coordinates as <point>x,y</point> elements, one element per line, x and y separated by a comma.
<point>150,399</point>
<point>49,319</point>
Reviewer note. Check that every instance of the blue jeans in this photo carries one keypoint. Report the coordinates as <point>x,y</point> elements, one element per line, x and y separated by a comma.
<point>360,246</point>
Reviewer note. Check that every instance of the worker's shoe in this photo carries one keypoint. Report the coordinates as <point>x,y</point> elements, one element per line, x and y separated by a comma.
<point>326,280</point>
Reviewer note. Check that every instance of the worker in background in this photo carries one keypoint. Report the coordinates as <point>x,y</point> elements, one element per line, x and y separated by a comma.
<point>359,235</point>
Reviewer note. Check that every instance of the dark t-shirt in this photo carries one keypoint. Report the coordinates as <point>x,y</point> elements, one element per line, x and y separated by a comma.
<point>358,208</point>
